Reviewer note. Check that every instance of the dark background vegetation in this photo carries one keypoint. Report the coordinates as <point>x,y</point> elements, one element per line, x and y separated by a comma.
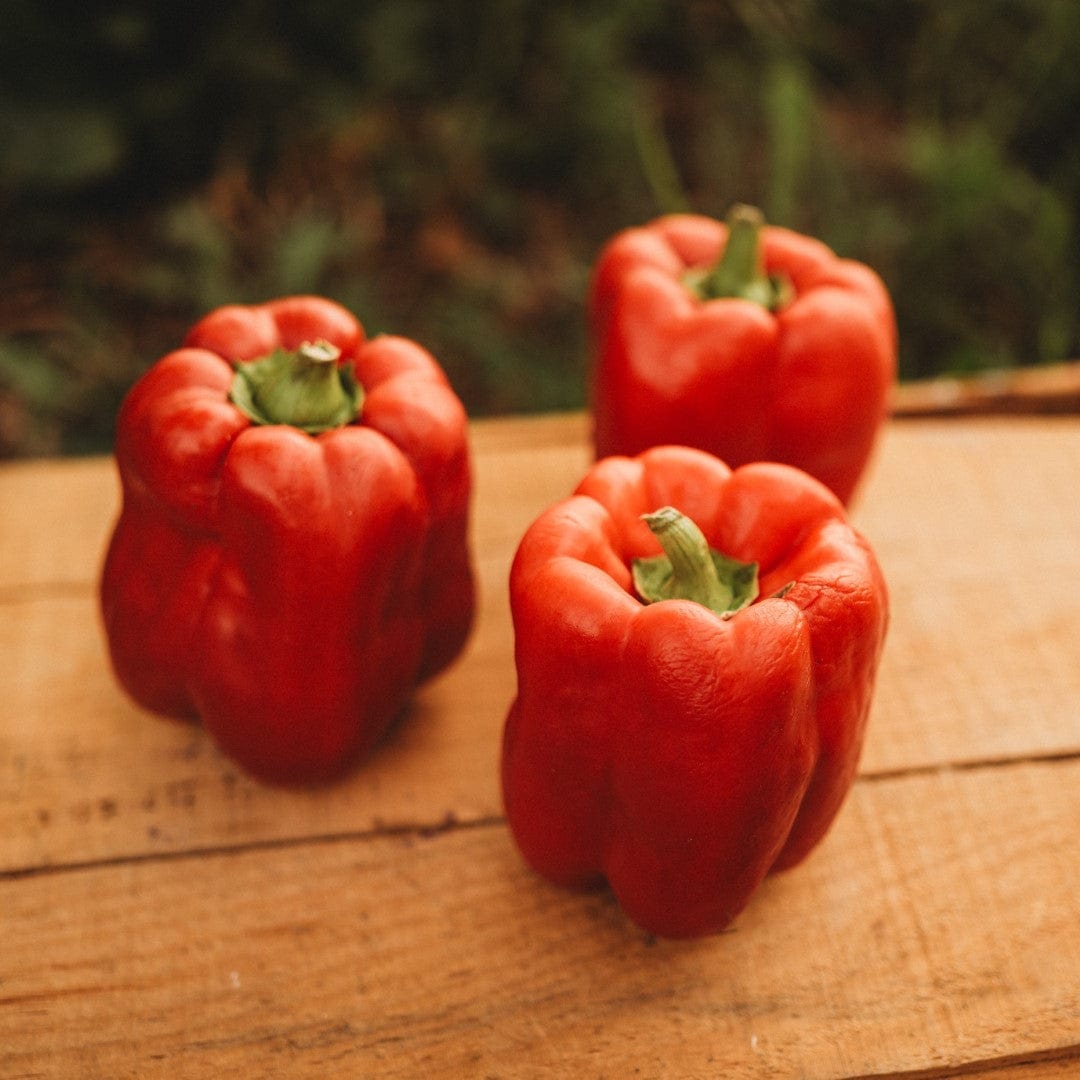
<point>450,170</point>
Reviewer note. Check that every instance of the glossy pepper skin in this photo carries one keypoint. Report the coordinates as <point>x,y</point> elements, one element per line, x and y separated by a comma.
<point>289,589</point>
<point>799,374</point>
<point>678,754</point>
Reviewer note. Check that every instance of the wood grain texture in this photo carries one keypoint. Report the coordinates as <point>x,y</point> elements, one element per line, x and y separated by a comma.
<point>162,915</point>
<point>979,538</point>
<point>928,931</point>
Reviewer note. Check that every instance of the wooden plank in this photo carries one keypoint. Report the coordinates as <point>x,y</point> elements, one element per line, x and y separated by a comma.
<point>973,670</point>
<point>1045,389</point>
<point>54,517</point>
<point>86,776</point>
<point>935,931</point>
<point>977,530</point>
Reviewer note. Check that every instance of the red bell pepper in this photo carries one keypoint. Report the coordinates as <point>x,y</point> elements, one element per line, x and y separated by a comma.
<point>751,342</point>
<point>291,557</point>
<point>688,719</point>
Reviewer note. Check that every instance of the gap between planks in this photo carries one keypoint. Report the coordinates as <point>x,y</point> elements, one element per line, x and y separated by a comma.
<point>452,823</point>
<point>1060,1061</point>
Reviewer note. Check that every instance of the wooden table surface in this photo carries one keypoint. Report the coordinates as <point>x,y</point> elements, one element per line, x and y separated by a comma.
<point>163,916</point>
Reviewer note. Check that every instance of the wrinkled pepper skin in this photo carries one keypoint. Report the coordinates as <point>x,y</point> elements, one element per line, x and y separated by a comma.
<point>678,755</point>
<point>290,590</point>
<point>808,384</point>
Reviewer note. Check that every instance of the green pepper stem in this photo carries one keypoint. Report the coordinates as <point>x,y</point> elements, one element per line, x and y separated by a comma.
<point>306,389</point>
<point>690,570</point>
<point>687,549</point>
<point>740,271</point>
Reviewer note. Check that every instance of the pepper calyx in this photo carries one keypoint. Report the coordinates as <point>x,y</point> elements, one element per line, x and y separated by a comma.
<point>740,271</point>
<point>306,388</point>
<point>691,570</point>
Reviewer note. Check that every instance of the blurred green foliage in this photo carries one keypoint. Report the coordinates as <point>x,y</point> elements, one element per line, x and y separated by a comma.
<point>449,172</point>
